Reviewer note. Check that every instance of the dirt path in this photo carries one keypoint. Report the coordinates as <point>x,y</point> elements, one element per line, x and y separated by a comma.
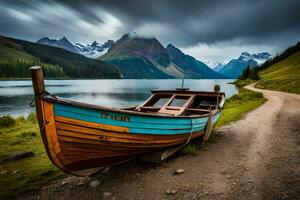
<point>257,157</point>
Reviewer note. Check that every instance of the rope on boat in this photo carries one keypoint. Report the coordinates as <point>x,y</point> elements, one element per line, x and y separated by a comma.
<point>32,103</point>
<point>208,127</point>
<point>175,149</point>
<point>190,136</point>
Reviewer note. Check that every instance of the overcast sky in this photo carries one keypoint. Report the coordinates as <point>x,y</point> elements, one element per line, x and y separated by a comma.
<point>211,31</point>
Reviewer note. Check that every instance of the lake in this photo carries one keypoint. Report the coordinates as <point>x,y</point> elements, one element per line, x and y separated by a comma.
<point>15,96</point>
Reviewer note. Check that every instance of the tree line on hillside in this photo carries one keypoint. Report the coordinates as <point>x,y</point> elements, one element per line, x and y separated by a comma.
<point>19,69</point>
<point>57,63</point>
<point>250,74</point>
<point>253,73</point>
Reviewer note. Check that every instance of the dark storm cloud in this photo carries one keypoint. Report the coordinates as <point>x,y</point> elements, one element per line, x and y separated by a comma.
<point>185,23</point>
<point>190,22</point>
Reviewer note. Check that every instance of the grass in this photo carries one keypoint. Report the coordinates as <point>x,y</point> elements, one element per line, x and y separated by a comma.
<point>238,105</point>
<point>282,76</point>
<point>241,83</point>
<point>29,173</point>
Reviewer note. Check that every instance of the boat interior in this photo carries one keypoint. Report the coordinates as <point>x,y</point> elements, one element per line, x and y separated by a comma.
<point>182,103</point>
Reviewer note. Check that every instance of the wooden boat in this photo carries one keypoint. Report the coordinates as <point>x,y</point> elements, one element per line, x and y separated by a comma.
<point>82,139</point>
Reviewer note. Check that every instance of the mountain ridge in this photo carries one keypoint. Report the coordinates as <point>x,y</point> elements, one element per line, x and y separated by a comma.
<point>235,67</point>
<point>131,52</point>
<point>93,50</point>
<point>18,55</point>
<point>63,43</point>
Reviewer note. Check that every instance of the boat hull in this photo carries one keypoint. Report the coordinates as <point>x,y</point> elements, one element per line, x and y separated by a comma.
<point>82,141</point>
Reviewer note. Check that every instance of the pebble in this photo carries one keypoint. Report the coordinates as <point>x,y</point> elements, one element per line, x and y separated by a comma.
<point>106,170</point>
<point>179,171</point>
<point>64,183</point>
<point>170,192</point>
<point>228,176</point>
<point>16,171</point>
<point>3,172</point>
<point>246,168</point>
<point>94,183</point>
<point>106,194</point>
<point>80,184</point>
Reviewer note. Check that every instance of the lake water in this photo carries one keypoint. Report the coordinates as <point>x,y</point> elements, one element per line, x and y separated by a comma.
<point>15,96</point>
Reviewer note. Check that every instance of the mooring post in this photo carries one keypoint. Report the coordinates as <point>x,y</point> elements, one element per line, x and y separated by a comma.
<point>39,88</point>
<point>37,79</point>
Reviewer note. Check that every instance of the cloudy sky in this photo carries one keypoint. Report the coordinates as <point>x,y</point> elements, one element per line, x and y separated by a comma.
<point>212,31</point>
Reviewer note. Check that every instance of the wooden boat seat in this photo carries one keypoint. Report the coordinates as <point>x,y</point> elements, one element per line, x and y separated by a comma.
<point>195,110</point>
<point>191,112</point>
<point>149,108</point>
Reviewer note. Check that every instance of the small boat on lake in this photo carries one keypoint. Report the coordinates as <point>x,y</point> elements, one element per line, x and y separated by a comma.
<point>82,139</point>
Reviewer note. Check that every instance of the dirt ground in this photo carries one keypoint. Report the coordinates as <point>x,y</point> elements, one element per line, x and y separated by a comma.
<point>257,157</point>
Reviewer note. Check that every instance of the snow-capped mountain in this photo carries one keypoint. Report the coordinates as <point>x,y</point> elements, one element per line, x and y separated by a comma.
<point>235,67</point>
<point>63,43</point>
<point>216,66</point>
<point>95,49</point>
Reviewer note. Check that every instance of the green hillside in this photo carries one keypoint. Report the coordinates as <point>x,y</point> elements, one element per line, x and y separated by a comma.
<point>283,75</point>
<point>18,55</point>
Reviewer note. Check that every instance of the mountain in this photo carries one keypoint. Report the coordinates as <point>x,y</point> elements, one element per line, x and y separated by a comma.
<point>191,67</point>
<point>217,66</point>
<point>235,67</point>
<point>138,57</point>
<point>95,49</point>
<point>63,43</point>
<point>18,55</point>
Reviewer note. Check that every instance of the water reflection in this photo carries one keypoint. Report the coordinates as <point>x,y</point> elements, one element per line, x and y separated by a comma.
<point>15,96</point>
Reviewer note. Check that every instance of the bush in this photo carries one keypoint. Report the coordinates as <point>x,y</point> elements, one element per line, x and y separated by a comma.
<point>7,121</point>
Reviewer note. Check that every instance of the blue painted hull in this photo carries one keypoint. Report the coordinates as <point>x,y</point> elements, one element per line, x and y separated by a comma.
<point>136,124</point>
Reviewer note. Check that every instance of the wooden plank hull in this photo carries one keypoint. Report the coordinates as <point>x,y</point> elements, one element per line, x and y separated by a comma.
<point>82,141</point>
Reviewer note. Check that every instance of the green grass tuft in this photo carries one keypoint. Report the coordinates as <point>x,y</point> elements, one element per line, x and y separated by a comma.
<point>29,173</point>
<point>189,149</point>
<point>238,105</point>
<point>7,121</point>
<point>241,83</point>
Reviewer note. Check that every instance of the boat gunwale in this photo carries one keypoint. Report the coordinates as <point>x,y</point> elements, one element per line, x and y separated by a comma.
<point>56,99</point>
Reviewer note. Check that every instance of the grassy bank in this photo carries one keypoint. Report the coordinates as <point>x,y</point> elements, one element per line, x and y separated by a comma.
<point>282,76</point>
<point>17,176</point>
<point>241,83</point>
<point>238,105</point>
